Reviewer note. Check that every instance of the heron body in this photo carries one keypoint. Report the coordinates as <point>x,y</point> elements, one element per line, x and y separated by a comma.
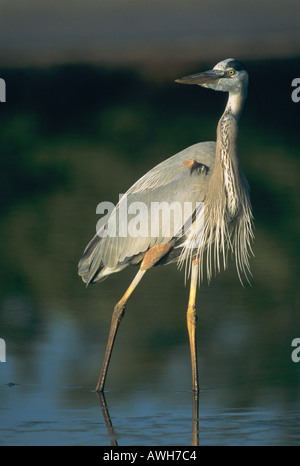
<point>206,176</point>
<point>172,180</point>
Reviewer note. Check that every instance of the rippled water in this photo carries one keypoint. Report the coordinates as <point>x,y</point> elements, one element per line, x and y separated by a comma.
<point>249,390</point>
<point>45,408</point>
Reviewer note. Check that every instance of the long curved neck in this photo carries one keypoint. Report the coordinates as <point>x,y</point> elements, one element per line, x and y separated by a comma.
<point>227,169</point>
<point>235,103</point>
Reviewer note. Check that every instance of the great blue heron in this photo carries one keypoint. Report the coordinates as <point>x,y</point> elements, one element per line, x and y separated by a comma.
<point>208,176</point>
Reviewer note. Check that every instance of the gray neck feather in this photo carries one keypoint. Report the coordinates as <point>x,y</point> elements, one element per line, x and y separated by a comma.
<point>227,154</point>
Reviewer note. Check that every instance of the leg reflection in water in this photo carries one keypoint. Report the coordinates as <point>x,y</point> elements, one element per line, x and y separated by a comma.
<point>111,431</point>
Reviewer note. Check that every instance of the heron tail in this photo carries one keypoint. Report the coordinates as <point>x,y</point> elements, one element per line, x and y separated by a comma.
<point>90,264</point>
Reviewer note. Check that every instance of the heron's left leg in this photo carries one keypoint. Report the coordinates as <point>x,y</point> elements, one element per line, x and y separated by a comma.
<point>152,256</point>
<point>117,316</point>
<point>191,323</point>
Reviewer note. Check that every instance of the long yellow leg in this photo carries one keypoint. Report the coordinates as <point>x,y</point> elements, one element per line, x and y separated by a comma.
<point>118,313</point>
<point>191,323</point>
<point>152,256</point>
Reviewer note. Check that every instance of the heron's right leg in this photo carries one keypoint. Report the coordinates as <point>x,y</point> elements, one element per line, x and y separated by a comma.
<point>191,323</point>
<point>117,316</point>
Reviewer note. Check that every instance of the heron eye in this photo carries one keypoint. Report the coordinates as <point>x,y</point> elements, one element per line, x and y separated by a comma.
<point>231,72</point>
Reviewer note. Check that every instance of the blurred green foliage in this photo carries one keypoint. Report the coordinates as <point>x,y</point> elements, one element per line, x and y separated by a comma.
<point>120,109</point>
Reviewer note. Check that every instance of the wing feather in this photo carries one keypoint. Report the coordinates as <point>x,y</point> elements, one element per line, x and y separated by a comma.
<point>171,181</point>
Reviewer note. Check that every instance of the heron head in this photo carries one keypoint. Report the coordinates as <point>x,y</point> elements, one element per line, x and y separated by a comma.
<point>228,76</point>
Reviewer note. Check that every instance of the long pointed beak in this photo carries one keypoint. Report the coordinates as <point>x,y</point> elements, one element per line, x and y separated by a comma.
<point>207,77</point>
